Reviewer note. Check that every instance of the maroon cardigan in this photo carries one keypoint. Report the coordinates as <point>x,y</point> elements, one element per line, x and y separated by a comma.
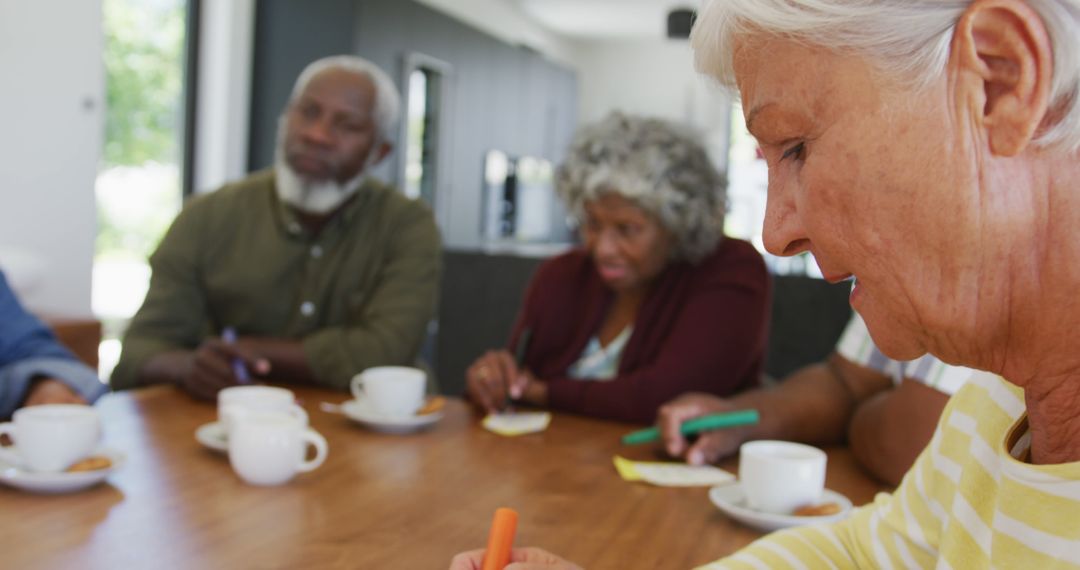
<point>702,329</point>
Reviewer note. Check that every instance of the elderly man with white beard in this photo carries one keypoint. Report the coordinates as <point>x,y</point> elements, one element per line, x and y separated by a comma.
<point>308,272</point>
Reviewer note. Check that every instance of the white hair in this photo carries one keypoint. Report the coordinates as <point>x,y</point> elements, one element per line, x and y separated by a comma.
<point>903,38</point>
<point>659,166</point>
<point>387,106</point>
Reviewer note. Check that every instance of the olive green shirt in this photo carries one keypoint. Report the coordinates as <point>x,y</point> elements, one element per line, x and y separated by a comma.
<point>358,294</point>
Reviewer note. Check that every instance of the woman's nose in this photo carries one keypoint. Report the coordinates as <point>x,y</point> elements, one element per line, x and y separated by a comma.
<point>605,244</point>
<point>783,233</point>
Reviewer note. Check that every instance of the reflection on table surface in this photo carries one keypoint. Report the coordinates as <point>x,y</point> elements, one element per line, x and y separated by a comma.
<point>379,501</point>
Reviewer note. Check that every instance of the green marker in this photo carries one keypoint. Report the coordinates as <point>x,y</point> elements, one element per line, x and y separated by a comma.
<point>696,425</point>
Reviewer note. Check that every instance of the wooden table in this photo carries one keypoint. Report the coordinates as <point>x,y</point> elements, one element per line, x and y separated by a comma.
<point>379,501</point>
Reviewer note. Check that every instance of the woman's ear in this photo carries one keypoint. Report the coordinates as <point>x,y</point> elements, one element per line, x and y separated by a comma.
<point>1004,45</point>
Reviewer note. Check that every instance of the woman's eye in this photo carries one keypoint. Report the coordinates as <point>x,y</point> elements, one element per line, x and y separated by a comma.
<point>795,152</point>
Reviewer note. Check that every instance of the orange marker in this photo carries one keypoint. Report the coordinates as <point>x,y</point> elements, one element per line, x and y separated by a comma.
<point>501,539</point>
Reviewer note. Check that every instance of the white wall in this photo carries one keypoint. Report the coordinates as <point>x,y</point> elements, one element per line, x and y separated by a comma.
<point>653,77</point>
<point>51,119</point>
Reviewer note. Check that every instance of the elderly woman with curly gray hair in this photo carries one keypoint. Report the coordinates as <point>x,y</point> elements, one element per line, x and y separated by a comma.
<point>656,302</point>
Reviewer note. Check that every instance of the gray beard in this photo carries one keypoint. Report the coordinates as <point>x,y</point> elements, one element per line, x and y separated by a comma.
<point>312,197</point>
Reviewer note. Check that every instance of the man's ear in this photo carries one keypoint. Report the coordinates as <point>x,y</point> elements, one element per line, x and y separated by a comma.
<point>1004,43</point>
<point>382,151</point>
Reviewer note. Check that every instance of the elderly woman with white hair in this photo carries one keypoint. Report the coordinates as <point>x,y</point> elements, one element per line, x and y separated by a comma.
<point>656,302</point>
<point>307,272</point>
<point>931,150</point>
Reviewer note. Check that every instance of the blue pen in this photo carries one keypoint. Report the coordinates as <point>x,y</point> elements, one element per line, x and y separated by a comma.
<point>239,370</point>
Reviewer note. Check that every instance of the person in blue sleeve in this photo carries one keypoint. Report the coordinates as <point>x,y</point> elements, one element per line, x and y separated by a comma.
<point>34,367</point>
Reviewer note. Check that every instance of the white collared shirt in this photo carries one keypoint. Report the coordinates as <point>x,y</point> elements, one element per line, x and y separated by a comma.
<point>600,363</point>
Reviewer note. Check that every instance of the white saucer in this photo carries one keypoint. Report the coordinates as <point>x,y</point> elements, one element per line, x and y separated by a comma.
<point>213,436</point>
<point>730,499</point>
<point>63,482</point>
<point>360,411</point>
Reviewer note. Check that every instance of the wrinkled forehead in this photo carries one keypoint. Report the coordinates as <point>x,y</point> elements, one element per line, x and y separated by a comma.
<point>787,72</point>
<point>769,65</point>
<point>346,88</point>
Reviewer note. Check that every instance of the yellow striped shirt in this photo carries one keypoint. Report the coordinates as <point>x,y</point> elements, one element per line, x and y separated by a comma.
<point>968,502</point>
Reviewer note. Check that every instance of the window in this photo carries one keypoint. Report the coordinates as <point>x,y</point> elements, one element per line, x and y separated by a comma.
<point>420,142</point>
<point>500,183</point>
<point>425,94</point>
<point>138,188</point>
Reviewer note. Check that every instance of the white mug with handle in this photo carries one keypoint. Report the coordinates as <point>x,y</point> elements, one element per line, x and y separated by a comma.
<point>780,476</point>
<point>239,400</point>
<point>268,448</point>
<point>51,437</point>
<point>392,391</point>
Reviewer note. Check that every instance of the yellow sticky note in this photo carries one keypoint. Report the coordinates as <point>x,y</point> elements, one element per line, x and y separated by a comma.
<point>626,469</point>
<point>668,474</point>
<point>517,423</point>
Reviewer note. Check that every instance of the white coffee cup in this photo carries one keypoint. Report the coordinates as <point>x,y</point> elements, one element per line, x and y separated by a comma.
<point>237,400</point>
<point>268,448</point>
<point>781,476</point>
<point>394,391</point>
<point>50,438</point>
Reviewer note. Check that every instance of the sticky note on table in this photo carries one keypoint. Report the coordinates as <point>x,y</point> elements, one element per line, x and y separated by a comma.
<point>517,423</point>
<point>672,474</point>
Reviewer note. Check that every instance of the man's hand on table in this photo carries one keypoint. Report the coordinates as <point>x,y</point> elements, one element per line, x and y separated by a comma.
<point>207,370</point>
<point>530,558</point>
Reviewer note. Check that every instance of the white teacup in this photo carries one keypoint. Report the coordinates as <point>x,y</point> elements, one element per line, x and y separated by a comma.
<point>50,438</point>
<point>268,448</point>
<point>238,400</point>
<point>781,476</point>
<point>394,391</point>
